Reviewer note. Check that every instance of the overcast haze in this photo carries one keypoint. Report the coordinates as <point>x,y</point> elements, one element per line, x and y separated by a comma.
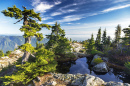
<point>79,18</point>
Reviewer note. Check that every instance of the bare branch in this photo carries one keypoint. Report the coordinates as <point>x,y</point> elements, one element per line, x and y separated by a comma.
<point>19,20</point>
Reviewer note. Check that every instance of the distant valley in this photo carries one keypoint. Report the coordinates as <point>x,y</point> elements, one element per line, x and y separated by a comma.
<point>12,42</point>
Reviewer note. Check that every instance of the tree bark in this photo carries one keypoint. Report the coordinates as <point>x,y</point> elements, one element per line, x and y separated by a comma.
<point>27,40</point>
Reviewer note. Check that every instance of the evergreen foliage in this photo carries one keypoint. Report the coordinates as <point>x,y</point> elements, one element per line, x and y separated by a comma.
<point>1,53</point>
<point>108,41</point>
<point>104,37</point>
<point>98,40</point>
<point>8,53</point>
<point>91,45</point>
<point>117,34</point>
<point>30,27</point>
<point>43,63</point>
<point>127,35</point>
<point>58,43</point>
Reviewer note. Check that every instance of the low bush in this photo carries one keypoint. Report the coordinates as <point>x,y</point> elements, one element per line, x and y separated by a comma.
<point>44,63</point>
<point>8,53</point>
<point>93,52</point>
<point>97,60</point>
<point>1,53</point>
<point>127,65</point>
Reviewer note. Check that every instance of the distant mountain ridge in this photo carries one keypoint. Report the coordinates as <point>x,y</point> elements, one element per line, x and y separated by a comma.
<point>11,42</point>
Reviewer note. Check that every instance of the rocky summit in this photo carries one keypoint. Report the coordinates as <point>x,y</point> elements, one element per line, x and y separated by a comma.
<point>54,79</point>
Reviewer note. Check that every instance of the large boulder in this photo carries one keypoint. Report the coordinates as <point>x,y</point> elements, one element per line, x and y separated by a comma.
<point>92,81</point>
<point>101,67</point>
<point>95,57</point>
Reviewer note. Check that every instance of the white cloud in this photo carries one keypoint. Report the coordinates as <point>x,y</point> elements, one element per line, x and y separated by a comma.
<point>51,22</point>
<point>97,0</point>
<point>42,7</point>
<point>69,23</point>
<point>63,12</point>
<point>57,2</point>
<point>88,28</point>
<point>117,1</point>
<point>71,18</point>
<point>56,13</point>
<point>115,8</point>
<point>47,18</point>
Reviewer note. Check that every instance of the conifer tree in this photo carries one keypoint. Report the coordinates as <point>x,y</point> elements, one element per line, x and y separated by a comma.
<point>98,40</point>
<point>117,34</point>
<point>30,27</point>
<point>108,41</point>
<point>127,35</point>
<point>104,37</point>
<point>91,45</point>
<point>57,40</point>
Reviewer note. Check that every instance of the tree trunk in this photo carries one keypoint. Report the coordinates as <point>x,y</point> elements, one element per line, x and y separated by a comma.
<point>27,40</point>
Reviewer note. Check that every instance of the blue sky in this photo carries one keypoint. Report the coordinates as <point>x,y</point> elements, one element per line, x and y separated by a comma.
<point>79,18</point>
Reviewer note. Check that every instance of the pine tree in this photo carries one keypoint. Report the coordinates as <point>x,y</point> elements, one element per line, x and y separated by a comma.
<point>57,40</point>
<point>30,27</point>
<point>108,41</point>
<point>91,45</point>
<point>98,40</point>
<point>104,37</point>
<point>117,34</point>
<point>127,35</point>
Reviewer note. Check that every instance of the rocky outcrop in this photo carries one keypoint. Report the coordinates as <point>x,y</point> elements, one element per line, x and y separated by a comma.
<point>101,67</point>
<point>111,83</point>
<point>76,47</point>
<point>14,56</point>
<point>54,79</point>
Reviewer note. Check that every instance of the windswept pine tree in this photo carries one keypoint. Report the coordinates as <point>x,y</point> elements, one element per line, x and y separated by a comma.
<point>30,27</point>
<point>98,40</point>
<point>117,34</point>
<point>57,40</point>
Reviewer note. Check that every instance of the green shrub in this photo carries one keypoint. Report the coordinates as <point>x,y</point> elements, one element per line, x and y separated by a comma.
<point>127,65</point>
<point>1,53</point>
<point>97,60</point>
<point>44,63</point>
<point>93,52</point>
<point>8,53</point>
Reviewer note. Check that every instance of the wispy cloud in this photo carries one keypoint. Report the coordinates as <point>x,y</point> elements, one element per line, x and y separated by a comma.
<point>97,0</point>
<point>69,23</point>
<point>46,18</point>
<point>43,6</point>
<point>71,18</point>
<point>63,12</point>
<point>115,8</point>
<point>57,2</point>
<point>117,1</point>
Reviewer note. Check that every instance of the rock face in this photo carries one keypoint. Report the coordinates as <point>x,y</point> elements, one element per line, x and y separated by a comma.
<point>54,79</point>
<point>101,67</point>
<point>6,61</point>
